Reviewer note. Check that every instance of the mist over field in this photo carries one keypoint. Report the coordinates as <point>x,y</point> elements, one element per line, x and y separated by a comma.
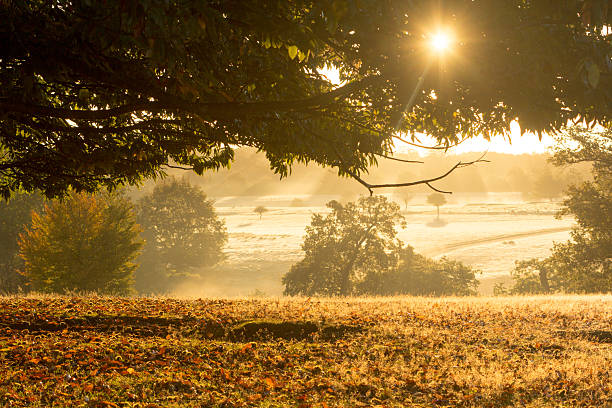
<point>498,213</point>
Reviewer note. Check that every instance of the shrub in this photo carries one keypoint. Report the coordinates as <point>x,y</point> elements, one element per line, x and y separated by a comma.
<point>81,243</point>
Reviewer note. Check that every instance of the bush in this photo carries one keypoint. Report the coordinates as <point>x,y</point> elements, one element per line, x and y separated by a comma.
<point>82,243</point>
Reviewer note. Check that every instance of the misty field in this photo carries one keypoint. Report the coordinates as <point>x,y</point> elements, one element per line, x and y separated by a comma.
<point>488,232</point>
<point>388,352</point>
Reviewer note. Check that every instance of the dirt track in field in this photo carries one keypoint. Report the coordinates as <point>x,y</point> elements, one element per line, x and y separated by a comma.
<point>445,249</point>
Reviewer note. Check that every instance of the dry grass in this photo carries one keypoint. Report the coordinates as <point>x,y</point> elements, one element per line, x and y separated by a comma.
<point>101,351</point>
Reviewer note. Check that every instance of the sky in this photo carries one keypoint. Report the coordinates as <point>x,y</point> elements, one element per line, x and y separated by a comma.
<point>527,143</point>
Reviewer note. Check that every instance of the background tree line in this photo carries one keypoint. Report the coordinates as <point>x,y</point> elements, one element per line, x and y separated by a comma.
<point>104,242</point>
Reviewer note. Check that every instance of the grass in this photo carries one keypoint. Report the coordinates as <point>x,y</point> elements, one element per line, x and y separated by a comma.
<point>95,351</point>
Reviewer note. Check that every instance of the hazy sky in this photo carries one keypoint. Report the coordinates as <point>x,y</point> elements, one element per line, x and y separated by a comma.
<point>527,143</point>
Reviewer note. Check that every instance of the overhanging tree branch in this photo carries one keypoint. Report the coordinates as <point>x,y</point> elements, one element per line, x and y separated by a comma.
<point>371,187</point>
<point>427,182</point>
<point>221,110</point>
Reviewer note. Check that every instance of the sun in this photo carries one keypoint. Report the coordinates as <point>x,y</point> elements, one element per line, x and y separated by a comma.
<point>440,41</point>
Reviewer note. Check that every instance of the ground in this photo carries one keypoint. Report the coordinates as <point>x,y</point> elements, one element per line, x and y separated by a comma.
<point>389,352</point>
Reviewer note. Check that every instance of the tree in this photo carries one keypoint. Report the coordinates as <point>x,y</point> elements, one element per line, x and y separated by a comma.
<point>260,209</point>
<point>15,216</point>
<point>354,250</point>
<point>106,93</point>
<point>546,185</point>
<point>84,242</point>
<point>182,232</point>
<point>584,263</point>
<point>437,200</point>
<point>342,247</point>
<point>405,196</point>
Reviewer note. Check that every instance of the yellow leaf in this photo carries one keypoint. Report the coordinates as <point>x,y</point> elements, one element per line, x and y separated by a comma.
<point>130,370</point>
<point>293,51</point>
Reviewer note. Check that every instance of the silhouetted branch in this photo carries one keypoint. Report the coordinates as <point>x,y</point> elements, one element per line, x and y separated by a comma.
<point>437,147</point>
<point>368,128</point>
<point>171,103</point>
<point>427,182</point>
<point>178,167</point>
<point>399,160</point>
<point>371,187</point>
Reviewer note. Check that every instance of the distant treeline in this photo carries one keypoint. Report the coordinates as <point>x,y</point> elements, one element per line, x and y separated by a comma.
<point>531,175</point>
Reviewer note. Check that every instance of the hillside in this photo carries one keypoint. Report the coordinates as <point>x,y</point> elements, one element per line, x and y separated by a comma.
<point>135,352</point>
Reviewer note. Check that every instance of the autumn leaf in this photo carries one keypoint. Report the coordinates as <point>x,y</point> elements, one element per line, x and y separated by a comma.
<point>269,382</point>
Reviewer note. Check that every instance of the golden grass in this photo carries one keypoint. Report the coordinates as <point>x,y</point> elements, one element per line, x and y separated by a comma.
<point>482,351</point>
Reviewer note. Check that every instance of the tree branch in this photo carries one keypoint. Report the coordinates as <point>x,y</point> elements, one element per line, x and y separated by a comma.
<point>222,110</point>
<point>437,147</point>
<point>397,159</point>
<point>427,182</point>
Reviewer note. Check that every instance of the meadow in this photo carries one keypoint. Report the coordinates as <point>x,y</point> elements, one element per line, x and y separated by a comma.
<point>486,231</point>
<point>93,351</point>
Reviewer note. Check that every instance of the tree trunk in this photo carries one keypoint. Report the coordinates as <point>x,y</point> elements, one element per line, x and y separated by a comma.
<point>544,280</point>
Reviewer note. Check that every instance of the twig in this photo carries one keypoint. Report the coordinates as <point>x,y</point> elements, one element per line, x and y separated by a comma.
<point>397,159</point>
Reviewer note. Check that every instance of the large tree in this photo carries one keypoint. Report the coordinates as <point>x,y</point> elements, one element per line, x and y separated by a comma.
<point>584,263</point>
<point>99,92</point>
<point>354,250</point>
<point>183,235</point>
<point>342,248</point>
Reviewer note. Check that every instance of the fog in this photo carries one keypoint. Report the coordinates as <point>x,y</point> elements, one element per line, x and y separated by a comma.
<point>499,212</point>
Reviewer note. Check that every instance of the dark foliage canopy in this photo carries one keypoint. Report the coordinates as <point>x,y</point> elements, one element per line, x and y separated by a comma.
<point>99,92</point>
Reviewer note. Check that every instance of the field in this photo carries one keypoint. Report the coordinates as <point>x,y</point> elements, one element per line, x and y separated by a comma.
<point>487,231</point>
<point>462,352</point>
